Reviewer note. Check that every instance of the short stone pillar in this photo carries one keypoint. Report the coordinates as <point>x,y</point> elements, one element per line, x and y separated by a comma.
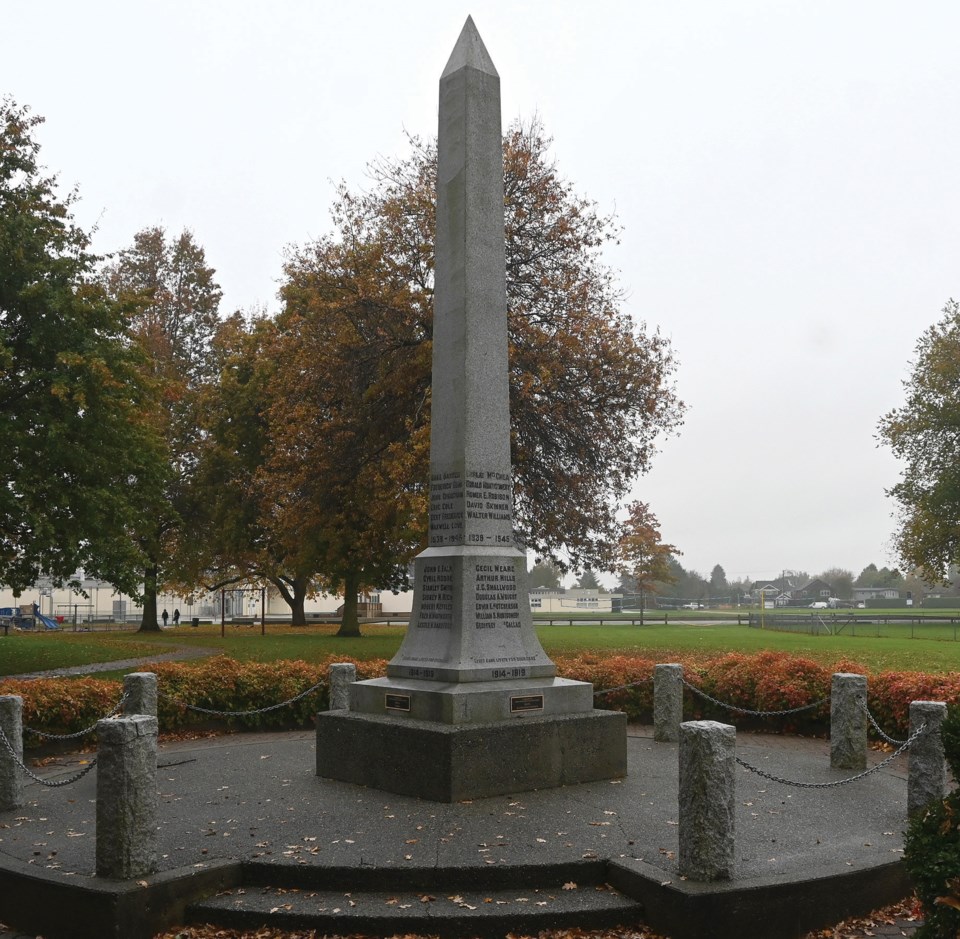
<point>11,752</point>
<point>140,694</point>
<point>127,799</point>
<point>927,771</point>
<point>848,721</point>
<point>341,676</point>
<point>667,702</point>
<point>707,800</point>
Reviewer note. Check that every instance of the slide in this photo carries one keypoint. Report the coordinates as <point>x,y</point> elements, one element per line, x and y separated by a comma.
<point>47,622</point>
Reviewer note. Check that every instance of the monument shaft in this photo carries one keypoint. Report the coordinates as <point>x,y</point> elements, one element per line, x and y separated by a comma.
<point>471,489</point>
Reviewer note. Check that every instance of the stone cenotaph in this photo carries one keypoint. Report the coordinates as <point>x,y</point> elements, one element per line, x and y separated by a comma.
<point>471,705</point>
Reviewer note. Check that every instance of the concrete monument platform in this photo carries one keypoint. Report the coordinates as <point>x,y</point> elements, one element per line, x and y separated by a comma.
<point>245,817</point>
<point>471,705</point>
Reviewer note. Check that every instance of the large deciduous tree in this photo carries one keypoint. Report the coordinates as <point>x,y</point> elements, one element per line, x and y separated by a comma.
<point>79,462</point>
<point>924,433</point>
<point>235,508</point>
<point>176,301</point>
<point>350,442</point>
<point>590,390</point>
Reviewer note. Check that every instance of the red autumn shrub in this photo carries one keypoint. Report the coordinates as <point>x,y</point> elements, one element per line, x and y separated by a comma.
<point>768,681</point>
<point>889,695</point>
<point>62,706</point>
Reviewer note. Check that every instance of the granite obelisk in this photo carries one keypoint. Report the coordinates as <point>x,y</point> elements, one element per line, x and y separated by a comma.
<point>471,675</point>
<point>471,616</point>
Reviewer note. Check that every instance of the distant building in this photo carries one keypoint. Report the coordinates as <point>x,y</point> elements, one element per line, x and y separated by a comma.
<point>558,600</point>
<point>862,594</point>
<point>814,592</point>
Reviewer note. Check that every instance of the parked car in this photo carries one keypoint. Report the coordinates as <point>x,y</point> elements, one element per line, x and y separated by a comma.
<point>819,605</point>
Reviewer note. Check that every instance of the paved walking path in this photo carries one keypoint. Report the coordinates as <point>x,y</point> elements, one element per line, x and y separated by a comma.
<point>180,653</point>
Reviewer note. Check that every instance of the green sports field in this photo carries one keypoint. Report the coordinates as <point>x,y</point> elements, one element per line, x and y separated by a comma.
<point>928,650</point>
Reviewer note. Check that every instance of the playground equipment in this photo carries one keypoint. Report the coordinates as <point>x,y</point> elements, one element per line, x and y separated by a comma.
<point>25,616</point>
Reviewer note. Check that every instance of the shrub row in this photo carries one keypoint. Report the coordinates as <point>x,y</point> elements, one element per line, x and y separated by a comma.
<point>767,681</point>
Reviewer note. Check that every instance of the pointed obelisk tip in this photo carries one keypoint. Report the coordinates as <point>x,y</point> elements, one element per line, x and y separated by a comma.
<point>470,52</point>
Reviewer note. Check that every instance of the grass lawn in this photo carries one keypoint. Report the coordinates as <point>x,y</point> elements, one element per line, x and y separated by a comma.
<point>30,652</point>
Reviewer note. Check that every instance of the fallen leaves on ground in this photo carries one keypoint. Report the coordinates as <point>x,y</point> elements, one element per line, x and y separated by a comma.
<point>215,932</point>
<point>907,910</point>
<point>858,927</point>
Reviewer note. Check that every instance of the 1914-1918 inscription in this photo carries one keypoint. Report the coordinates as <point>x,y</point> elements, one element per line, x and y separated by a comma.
<point>497,601</point>
<point>436,597</point>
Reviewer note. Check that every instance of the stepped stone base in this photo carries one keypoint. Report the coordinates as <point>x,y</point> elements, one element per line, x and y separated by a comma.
<point>471,702</point>
<point>446,763</point>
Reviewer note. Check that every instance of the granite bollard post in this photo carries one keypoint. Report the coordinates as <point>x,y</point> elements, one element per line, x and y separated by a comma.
<point>707,800</point>
<point>341,674</point>
<point>140,694</point>
<point>127,799</point>
<point>926,774</point>
<point>11,775</point>
<point>848,722</point>
<point>667,702</point>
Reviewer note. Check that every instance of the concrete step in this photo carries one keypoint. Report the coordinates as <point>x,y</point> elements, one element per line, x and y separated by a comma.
<point>447,913</point>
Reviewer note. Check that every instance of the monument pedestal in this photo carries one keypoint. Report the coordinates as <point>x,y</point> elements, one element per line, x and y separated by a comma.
<point>448,762</point>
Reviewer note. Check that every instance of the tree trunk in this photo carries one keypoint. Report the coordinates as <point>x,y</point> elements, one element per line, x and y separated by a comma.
<point>149,624</point>
<point>350,622</point>
<point>294,598</point>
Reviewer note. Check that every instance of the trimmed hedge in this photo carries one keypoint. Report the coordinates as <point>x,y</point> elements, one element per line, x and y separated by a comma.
<point>766,681</point>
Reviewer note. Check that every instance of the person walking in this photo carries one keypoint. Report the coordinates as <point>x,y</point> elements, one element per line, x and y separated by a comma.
<point>164,616</point>
<point>176,617</point>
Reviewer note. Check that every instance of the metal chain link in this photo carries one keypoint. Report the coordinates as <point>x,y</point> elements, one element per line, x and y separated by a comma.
<point>740,710</point>
<point>862,704</point>
<point>633,684</point>
<point>838,782</point>
<point>56,784</point>
<point>80,733</point>
<point>263,710</point>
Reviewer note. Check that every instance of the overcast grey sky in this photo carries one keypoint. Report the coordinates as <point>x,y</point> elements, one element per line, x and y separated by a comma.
<point>786,173</point>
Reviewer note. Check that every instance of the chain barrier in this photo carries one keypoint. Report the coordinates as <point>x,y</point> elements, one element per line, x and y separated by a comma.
<point>55,784</point>
<point>862,704</point>
<point>740,710</point>
<point>837,782</point>
<point>247,713</point>
<point>633,684</point>
<point>80,733</point>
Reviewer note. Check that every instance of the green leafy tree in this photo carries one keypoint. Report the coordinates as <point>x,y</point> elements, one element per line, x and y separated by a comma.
<point>718,581</point>
<point>924,434</point>
<point>231,539</point>
<point>871,576</point>
<point>176,302</point>
<point>79,461</point>
<point>840,580</point>
<point>588,580</point>
<point>544,574</point>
